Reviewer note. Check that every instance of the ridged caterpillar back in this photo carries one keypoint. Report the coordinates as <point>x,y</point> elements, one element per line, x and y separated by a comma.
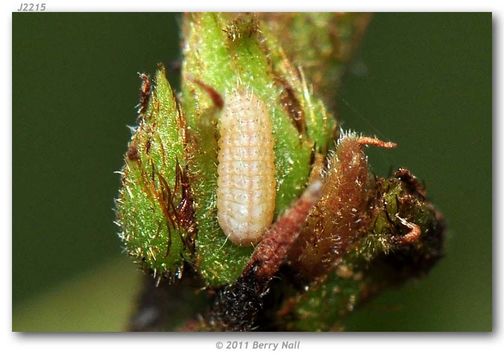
<point>246,185</point>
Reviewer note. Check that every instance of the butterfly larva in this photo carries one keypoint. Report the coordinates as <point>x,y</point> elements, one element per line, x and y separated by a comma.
<point>246,185</point>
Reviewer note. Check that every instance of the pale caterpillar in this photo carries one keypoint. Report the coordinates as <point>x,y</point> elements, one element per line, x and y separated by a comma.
<point>246,185</point>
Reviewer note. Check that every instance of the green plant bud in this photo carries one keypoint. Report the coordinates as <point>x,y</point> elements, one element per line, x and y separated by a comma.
<point>228,54</point>
<point>215,180</point>
<point>154,207</point>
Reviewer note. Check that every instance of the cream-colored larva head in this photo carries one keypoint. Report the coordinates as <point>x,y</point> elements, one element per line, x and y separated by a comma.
<point>246,186</point>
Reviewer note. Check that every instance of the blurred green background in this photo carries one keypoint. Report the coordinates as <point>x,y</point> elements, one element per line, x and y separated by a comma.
<point>422,80</point>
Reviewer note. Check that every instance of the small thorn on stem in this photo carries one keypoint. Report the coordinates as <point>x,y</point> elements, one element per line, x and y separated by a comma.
<point>364,140</point>
<point>414,233</point>
<point>214,94</point>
